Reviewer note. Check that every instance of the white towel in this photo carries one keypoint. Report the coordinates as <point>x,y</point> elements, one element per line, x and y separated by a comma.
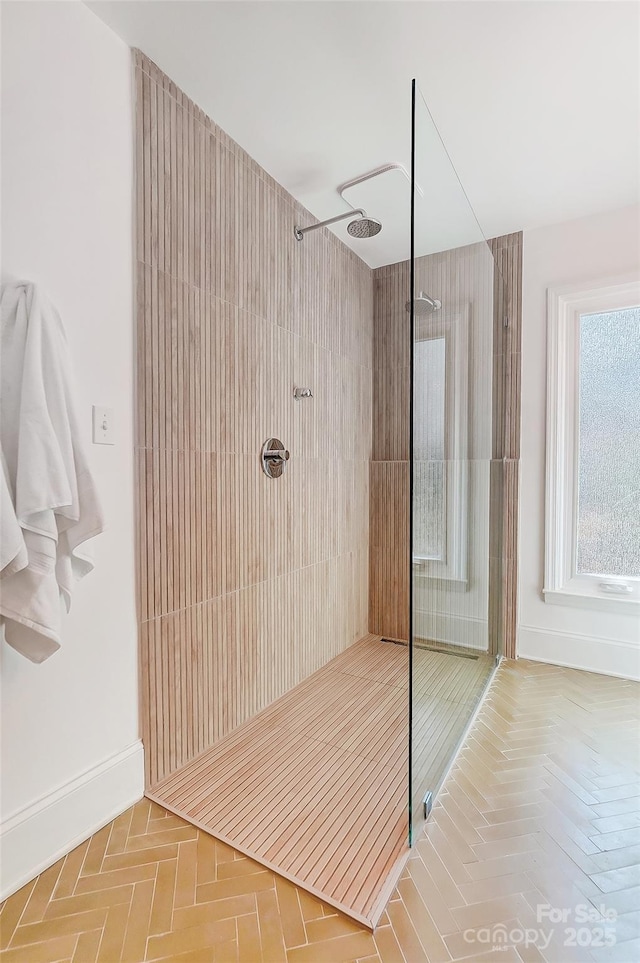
<point>49,502</point>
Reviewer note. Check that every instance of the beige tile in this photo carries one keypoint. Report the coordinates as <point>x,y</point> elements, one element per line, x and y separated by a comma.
<point>11,912</point>
<point>406,935</point>
<point>195,938</point>
<point>496,888</point>
<point>55,948</point>
<point>340,950</point>
<point>137,930</point>
<point>509,846</point>
<point>44,887</point>
<point>226,888</point>
<point>202,913</point>
<point>330,927</point>
<point>62,926</point>
<point>291,918</point>
<point>617,879</point>
<point>416,907</point>
<point>115,878</point>
<point>87,947</point>
<point>249,944</point>
<point>70,869</point>
<point>271,932</point>
<point>388,948</point>
<point>80,903</point>
<point>111,944</point>
<point>162,905</point>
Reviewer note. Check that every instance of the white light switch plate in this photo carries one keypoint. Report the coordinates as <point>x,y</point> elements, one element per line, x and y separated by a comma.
<point>103,427</point>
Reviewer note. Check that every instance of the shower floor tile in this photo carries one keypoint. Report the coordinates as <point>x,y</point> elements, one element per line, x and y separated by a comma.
<point>315,786</point>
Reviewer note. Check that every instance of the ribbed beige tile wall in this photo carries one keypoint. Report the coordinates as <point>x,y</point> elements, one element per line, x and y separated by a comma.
<point>505,466</point>
<point>246,584</point>
<point>389,506</point>
<point>464,278</point>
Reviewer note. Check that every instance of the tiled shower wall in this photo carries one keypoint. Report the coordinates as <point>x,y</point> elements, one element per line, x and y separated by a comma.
<point>247,584</point>
<point>389,504</point>
<point>505,463</point>
<point>463,276</point>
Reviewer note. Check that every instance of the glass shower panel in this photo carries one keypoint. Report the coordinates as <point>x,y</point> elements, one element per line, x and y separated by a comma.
<point>456,300</point>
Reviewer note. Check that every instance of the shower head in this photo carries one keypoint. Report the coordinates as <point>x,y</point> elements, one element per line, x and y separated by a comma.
<point>364,227</point>
<point>361,225</point>
<point>423,305</point>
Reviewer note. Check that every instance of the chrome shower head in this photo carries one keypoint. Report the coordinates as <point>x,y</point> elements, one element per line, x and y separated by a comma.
<point>360,226</point>
<point>423,305</point>
<point>364,227</point>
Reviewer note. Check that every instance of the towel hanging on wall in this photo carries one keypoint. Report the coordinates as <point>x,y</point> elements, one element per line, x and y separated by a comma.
<point>49,502</point>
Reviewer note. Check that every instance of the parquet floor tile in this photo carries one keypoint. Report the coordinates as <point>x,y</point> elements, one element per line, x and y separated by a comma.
<point>537,818</point>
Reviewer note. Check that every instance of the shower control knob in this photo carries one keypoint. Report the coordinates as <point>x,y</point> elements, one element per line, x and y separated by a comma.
<point>279,454</point>
<point>274,457</point>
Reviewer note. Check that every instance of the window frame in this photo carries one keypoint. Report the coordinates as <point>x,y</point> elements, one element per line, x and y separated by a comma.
<point>453,326</point>
<point>562,585</point>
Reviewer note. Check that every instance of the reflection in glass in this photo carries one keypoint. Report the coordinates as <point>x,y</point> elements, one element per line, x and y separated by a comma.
<point>429,449</point>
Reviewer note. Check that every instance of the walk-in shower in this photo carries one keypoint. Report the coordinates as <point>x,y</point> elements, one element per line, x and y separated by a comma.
<point>361,226</point>
<point>273,714</point>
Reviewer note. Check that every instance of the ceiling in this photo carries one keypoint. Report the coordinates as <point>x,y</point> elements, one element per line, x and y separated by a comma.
<point>537,103</point>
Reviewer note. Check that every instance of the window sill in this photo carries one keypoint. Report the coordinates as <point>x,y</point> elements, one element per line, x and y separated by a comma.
<point>626,606</point>
<point>439,579</point>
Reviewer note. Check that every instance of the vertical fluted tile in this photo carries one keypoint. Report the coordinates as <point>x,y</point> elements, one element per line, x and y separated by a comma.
<point>245,584</point>
<point>507,252</point>
<point>484,291</point>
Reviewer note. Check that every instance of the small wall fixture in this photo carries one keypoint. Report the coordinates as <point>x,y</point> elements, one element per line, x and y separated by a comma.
<point>300,393</point>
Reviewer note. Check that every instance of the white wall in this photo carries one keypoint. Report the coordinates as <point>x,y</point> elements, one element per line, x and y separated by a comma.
<point>67,146</point>
<point>588,249</point>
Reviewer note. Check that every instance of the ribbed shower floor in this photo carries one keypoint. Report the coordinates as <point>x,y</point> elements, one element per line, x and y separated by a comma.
<point>315,786</point>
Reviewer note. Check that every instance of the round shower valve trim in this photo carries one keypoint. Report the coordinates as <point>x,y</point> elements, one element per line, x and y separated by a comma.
<point>274,457</point>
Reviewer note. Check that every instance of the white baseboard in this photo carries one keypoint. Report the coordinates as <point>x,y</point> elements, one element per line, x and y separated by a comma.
<point>35,837</point>
<point>463,630</point>
<point>606,656</point>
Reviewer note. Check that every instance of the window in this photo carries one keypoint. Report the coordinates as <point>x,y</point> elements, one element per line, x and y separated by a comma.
<point>430,449</point>
<point>592,546</point>
<point>440,467</point>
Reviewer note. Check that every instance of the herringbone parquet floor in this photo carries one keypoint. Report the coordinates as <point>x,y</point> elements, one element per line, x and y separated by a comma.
<point>538,819</point>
